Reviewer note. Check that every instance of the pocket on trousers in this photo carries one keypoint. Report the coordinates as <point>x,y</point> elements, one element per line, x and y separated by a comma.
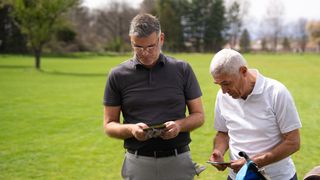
<point>124,173</point>
<point>190,169</point>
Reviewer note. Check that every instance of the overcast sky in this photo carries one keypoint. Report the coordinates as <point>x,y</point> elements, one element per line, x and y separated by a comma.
<point>294,9</point>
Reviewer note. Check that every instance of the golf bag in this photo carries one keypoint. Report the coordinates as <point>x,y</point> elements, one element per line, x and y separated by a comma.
<point>250,170</point>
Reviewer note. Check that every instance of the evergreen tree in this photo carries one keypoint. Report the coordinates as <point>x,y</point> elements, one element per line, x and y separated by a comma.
<point>171,18</point>
<point>196,23</point>
<point>11,39</point>
<point>215,25</point>
<point>245,41</point>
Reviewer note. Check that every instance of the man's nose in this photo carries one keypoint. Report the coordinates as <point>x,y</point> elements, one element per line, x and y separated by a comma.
<point>145,52</point>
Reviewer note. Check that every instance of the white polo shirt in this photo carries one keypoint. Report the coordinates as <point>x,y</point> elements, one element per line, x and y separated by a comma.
<point>255,125</point>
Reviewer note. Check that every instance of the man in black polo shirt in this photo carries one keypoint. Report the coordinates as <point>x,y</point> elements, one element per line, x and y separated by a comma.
<point>153,89</point>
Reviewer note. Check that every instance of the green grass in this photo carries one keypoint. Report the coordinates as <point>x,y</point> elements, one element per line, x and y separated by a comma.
<point>51,120</point>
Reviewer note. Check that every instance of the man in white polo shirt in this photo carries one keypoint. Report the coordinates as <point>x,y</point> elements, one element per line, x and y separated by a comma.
<point>254,114</point>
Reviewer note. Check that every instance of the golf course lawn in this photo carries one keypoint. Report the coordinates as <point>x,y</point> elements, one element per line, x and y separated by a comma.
<point>51,120</point>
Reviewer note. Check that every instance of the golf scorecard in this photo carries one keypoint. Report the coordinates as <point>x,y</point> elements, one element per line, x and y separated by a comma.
<point>158,126</point>
<point>154,131</point>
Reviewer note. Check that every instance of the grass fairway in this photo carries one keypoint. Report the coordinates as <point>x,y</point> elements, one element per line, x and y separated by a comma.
<point>51,120</point>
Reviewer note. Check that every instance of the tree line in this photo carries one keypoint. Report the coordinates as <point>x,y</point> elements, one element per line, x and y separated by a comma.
<point>60,26</point>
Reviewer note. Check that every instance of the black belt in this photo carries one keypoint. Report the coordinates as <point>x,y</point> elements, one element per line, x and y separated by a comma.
<point>159,154</point>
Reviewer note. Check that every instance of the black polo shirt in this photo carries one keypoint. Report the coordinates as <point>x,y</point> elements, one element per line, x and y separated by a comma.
<point>152,96</point>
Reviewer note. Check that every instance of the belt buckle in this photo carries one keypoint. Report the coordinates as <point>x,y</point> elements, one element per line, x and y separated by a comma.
<point>159,154</point>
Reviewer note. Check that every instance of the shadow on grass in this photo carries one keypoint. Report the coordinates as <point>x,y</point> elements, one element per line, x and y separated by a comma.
<point>15,67</point>
<point>84,55</point>
<point>54,72</point>
<point>74,73</point>
<point>69,56</point>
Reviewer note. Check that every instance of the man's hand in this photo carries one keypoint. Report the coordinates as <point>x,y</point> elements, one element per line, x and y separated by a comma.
<point>218,157</point>
<point>137,131</point>
<point>236,165</point>
<point>171,131</point>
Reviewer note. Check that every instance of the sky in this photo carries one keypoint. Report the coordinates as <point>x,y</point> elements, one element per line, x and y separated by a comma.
<point>293,9</point>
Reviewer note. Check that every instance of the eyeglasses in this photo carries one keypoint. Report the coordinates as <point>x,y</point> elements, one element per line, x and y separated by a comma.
<point>148,49</point>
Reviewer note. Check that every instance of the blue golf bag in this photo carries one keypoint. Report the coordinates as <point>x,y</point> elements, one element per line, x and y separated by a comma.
<point>249,170</point>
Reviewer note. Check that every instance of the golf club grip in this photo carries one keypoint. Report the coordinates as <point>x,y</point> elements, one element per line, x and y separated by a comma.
<point>243,154</point>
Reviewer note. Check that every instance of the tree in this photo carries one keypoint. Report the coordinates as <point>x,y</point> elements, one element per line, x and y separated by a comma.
<point>82,22</point>
<point>264,45</point>
<point>66,34</point>
<point>193,24</point>
<point>11,39</point>
<point>114,23</point>
<point>314,32</point>
<point>286,44</point>
<point>170,15</point>
<point>148,6</point>
<point>274,20</point>
<point>302,33</point>
<point>203,24</point>
<point>245,41</point>
<point>234,21</point>
<point>39,20</point>
<point>215,25</point>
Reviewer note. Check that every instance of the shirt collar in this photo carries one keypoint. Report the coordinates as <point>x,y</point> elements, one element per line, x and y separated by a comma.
<point>260,80</point>
<point>160,62</point>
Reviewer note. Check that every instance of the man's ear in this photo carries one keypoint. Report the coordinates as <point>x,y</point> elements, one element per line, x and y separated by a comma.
<point>161,38</point>
<point>243,70</point>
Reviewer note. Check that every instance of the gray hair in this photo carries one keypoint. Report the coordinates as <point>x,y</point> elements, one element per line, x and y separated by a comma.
<point>227,61</point>
<point>143,25</point>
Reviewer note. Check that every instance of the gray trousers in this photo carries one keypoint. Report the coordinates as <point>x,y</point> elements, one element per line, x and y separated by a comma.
<point>178,167</point>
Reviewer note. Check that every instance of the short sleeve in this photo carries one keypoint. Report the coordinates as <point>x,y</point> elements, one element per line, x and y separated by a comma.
<point>191,86</point>
<point>112,93</point>
<point>219,121</point>
<point>285,111</point>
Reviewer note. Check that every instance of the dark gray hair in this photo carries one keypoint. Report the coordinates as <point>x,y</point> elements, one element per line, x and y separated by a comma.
<point>143,25</point>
